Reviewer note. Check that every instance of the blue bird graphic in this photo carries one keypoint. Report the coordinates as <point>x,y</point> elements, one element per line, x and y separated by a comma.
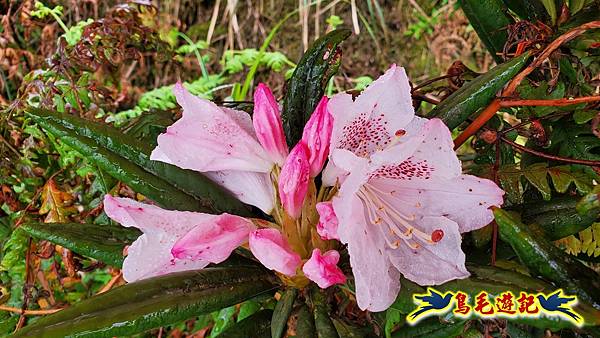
<point>555,301</point>
<point>431,301</point>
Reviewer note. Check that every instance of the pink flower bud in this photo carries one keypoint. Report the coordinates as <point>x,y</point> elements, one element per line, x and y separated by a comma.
<point>317,135</point>
<point>273,251</point>
<point>323,270</point>
<point>267,124</point>
<point>293,180</point>
<point>327,227</point>
<point>214,241</point>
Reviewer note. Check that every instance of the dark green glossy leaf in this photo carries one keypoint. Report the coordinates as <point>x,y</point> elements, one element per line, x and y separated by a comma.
<point>154,302</point>
<point>305,325</point>
<point>323,323</point>
<point>350,331</point>
<point>431,328</point>
<point>477,94</point>
<point>257,325</point>
<point>531,10</point>
<point>101,242</point>
<point>489,19</point>
<point>546,260</point>
<point>307,85</point>
<point>122,169</point>
<point>558,218</point>
<point>282,312</point>
<point>590,203</point>
<point>209,194</point>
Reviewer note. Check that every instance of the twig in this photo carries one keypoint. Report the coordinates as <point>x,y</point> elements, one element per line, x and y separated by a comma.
<point>493,107</point>
<point>111,283</point>
<point>549,156</point>
<point>552,103</point>
<point>430,81</point>
<point>28,312</point>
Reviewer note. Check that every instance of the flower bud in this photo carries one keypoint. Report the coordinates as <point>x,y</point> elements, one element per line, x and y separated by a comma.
<point>327,227</point>
<point>293,180</point>
<point>267,124</point>
<point>273,251</point>
<point>317,136</point>
<point>323,270</point>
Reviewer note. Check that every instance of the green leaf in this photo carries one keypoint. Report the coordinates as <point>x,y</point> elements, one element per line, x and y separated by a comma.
<point>590,203</point>
<point>323,323</point>
<point>307,85</point>
<point>305,325</point>
<point>575,6</point>
<point>531,10</point>
<point>431,328</point>
<point>124,170</point>
<point>537,174</point>
<point>101,242</point>
<point>584,116</point>
<point>257,325</point>
<point>282,312</point>
<point>477,94</point>
<point>208,194</point>
<point>558,218</point>
<point>546,260</point>
<point>489,19</point>
<point>223,320</point>
<point>550,6</point>
<point>153,302</point>
<point>575,141</point>
<point>349,331</point>
<point>527,91</point>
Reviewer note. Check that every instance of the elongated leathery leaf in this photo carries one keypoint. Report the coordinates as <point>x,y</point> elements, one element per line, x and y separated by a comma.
<point>307,85</point>
<point>546,260</point>
<point>323,324</point>
<point>558,218</point>
<point>282,312</point>
<point>154,302</point>
<point>122,169</point>
<point>431,328</point>
<point>305,325</point>
<point>489,19</point>
<point>478,93</point>
<point>101,242</point>
<point>209,194</point>
<point>257,325</point>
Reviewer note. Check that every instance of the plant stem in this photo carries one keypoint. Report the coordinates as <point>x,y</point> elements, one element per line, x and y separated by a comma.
<point>197,53</point>
<point>548,156</point>
<point>552,103</point>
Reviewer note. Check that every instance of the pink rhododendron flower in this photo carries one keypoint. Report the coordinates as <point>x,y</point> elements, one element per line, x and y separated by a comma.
<point>327,227</point>
<point>403,201</point>
<point>222,143</point>
<point>213,240</point>
<point>150,255</point>
<point>323,270</point>
<point>317,136</point>
<point>273,251</point>
<point>293,180</point>
<point>267,124</point>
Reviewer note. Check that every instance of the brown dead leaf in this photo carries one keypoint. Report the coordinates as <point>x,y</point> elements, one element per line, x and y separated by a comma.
<point>56,204</point>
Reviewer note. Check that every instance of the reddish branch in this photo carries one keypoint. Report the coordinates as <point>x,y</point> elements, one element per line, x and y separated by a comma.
<point>548,156</point>
<point>553,103</point>
<point>493,108</point>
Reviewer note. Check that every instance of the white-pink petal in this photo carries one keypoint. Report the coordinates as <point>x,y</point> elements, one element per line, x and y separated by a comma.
<point>293,180</point>
<point>249,187</point>
<point>274,252</point>
<point>210,138</point>
<point>214,240</point>
<point>150,255</point>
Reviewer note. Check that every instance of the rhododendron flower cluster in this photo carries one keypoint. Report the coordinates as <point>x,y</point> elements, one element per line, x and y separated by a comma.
<point>392,194</point>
